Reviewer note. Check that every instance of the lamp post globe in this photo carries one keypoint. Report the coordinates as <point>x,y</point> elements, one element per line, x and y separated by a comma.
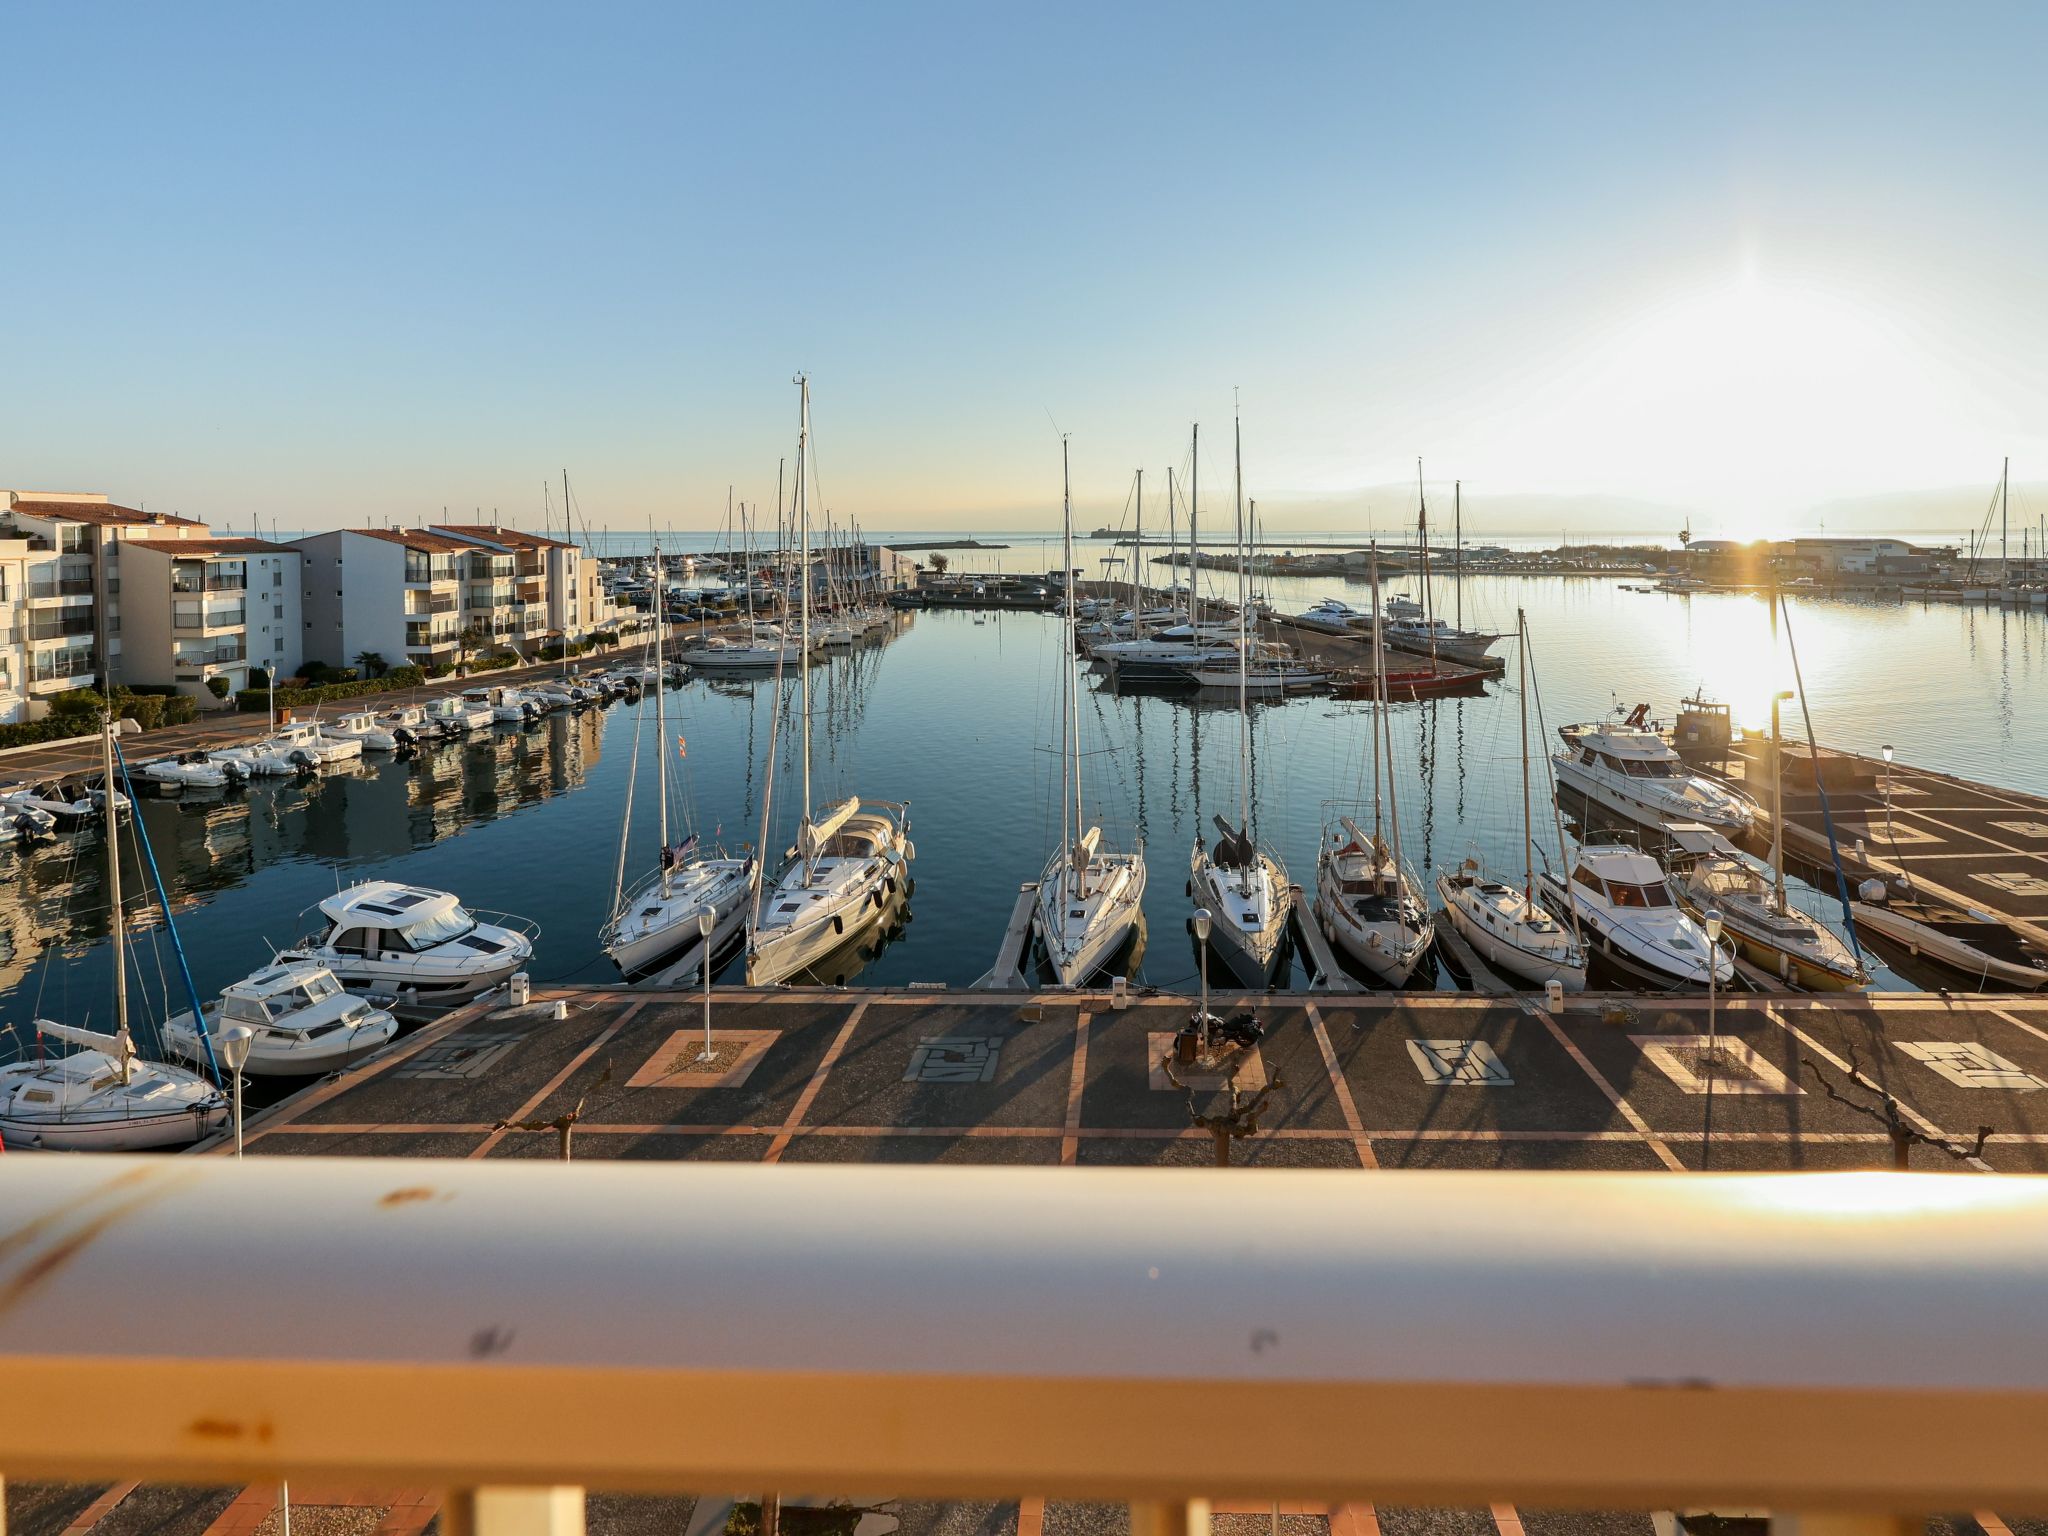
<point>234,1053</point>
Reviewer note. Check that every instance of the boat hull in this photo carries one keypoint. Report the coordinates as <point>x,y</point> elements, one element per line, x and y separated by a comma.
<point>1504,955</point>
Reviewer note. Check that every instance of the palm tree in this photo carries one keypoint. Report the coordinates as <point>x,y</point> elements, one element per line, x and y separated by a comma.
<point>465,643</point>
<point>372,663</point>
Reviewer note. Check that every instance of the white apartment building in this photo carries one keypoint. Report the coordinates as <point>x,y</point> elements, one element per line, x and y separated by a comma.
<point>392,592</point>
<point>552,585</point>
<point>15,558</point>
<point>72,620</point>
<point>194,609</point>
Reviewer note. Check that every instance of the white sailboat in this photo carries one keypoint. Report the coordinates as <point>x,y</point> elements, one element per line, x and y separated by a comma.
<point>1510,929</point>
<point>838,879</point>
<point>1243,886</point>
<point>659,918</point>
<point>1368,898</point>
<point>103,1098</point>
<point>1089,898</point>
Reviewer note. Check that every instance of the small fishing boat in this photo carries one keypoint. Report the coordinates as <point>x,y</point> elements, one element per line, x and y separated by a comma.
<point>192,770</point>
<point>301,1019</point>
<point>305,741</point>
<point>455,715</point>
<point>364,728</point>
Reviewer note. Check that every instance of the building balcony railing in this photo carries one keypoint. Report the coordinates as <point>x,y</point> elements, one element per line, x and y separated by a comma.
<point>69,586</point>
<point>420,604</point>
<point>56,624</point>
<point>211,656</point>
<point>57,666</point>
<point>1849,1347</point>
<point>424,636</point>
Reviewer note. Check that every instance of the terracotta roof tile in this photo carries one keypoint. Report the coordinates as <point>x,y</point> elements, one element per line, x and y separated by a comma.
<point>211,546</point>
<point>511,538</point>
<point>102,512</point>
<point>415,538</point>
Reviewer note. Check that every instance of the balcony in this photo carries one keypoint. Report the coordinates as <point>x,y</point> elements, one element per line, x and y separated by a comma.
<point>429,637</point>
<point>68,586</point>
<point>436,603</point>
<point>55,624</point>
<point>62,666</point>
<point>1855,1346</point>
<point>225,654</point>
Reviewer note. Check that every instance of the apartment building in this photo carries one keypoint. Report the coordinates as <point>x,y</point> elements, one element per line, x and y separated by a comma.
<point>555,591</point>
<point>200,608</point>
<point>397,593</point>
<point>72,619</point>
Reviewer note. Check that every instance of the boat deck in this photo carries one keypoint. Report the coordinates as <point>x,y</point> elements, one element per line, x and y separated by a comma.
<point>1424,1080</point>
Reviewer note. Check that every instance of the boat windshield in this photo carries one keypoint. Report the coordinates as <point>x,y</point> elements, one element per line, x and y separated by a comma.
<point>1625,895</point>
<point>316,989</point>
<point>452,924</point>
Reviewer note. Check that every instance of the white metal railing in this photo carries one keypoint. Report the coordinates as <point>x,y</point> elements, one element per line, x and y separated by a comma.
<point>1861,1342</point>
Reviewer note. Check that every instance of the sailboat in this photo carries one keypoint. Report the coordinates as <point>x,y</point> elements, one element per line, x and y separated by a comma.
<point>655,922</point>
<point>849,860</point>
<point>1243,886</point>
<point>1368,899</point>
<point>1707,871</point>
<point>1509,928</point>
<point>104,1097</point>
<point>1089,898</point>
<point>1417,630</point>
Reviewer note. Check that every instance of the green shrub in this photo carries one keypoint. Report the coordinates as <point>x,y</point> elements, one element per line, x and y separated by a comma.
<point>78,701</point>
<point>259,677</point>
<point>180,709</point>
<point>440,668</point>
<point>298,698</point>
<point>605,637</point>
<point>145,709</point>
<point>55,728</point>
<point>217,686</point>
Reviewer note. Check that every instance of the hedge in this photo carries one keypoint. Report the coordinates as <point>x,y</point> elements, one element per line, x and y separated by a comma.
<point>294,698</point>
<point>50,728</point>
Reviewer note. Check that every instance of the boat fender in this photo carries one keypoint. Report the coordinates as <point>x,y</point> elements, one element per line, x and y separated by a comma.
<point>889,885</point>
<point>838,923</point>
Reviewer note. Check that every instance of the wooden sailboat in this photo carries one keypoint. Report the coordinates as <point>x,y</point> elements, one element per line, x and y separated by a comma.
<point>656,925</point>
<point>1243,885</point>
<point>1089,898</point>
<point>1368,900</point>
<point>1510,930</point>
<point>104,1097</point>
<point>848,861</point>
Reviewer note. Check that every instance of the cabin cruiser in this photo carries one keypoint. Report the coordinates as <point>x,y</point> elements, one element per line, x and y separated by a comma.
<point>507,705</point>
<point>836,884</point>
<point>302,1020</point>
<point>408,724</point>
<point>1511,932</point>
<point>1628,915</point>
<point>104,1098</point>
<point>1708,873</point>
<point>1269,676</point>
<point>364,728</point>
<point>1433,637</point>
<point>1629,768</point>
<point>1163,658</point>
<point>1964,940</point>
<point>1371,905</point>
<point>417,945</point>
<point>1332,616</point>
<point>456,715</point>
<point>1089,900</point>
<point>192,770</point>
<point>306,742</point>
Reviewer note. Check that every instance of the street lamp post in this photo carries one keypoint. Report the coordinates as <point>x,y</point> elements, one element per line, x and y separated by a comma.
<point>707,920</point>
<point>1889,841</point>
<point>234,1054</point>
<point>1202,959</point>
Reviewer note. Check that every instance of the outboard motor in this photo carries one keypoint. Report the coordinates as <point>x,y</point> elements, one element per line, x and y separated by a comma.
<point>405,736</point>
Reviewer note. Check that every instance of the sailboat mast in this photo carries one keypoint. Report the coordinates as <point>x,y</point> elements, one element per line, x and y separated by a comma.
<point>1172,540</point>
<point>1070,716</point>
<point>1777,772</point>
<point>2004,507</point>
<point>1379,699</point>
<point>1137,555</point>
<point>1244,717</point>
<point>569,528</point>
<point>1458,546</point>
<point>1195,528</point>
<point>661,733</point>
<point>118,916</point>
<point>1528,821</point>
<point>803,570</point>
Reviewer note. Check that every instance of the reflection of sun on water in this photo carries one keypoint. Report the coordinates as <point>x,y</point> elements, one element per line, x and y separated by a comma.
<point>1735,665</point>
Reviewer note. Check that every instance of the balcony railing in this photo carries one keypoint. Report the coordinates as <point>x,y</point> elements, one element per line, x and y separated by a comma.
<point>1857,1345</point>
<point>55,623</point>
<point>68,586</point>
<point>224,655</point>
<point>425,636</point>
<point>50,666</point>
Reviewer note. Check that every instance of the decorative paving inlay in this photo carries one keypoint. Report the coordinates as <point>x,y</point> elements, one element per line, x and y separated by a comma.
<point>2016,882</point>
<point>679,1062</point>
<point>1970,1065</point>
<point>1244,1067</point>
<point>1723,1064</point>
<point>1459,1063</point>
<point>2023,828</point>
<point>462,1057</point>
<point>955,1059</point>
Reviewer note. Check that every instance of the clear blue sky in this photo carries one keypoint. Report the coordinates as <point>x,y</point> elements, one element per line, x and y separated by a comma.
<point>334,263</point>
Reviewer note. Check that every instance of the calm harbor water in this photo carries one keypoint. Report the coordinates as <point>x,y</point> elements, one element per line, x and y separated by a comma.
<point>956,713</point>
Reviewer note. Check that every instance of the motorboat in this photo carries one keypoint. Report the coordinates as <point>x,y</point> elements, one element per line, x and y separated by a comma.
<point>1708,873</point>
<point>510,706</point>
<point>1332,616</point>
<point>1629,916</point>
<point>24,821</point>
<point>69,806</point>
<point>104,1098</point>
<point>302,1021</point>
<point>1370,903</point>
<point>364,728</point>
<point>260,761</point>
<point>192,770</point>
<point>1629,768</point>
<point>456,715</point>
<point>1161,658</point>
<point>1510,930</point>
<point>419,946</point>
<point>305,741</point>
<point>1962,939</point>
<point>408,724</point>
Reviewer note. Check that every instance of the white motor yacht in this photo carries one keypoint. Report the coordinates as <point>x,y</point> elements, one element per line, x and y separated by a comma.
<point>419,946</point>
<point>455,715</point>
<point>305,741</point>
<point>1370,905</point>
<point>1628,914</point>
<point>303,1022</point>
<point>1629,768</point>
<point>364,728</point>
<point>104,1098</point>
<point>1331,616</point>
